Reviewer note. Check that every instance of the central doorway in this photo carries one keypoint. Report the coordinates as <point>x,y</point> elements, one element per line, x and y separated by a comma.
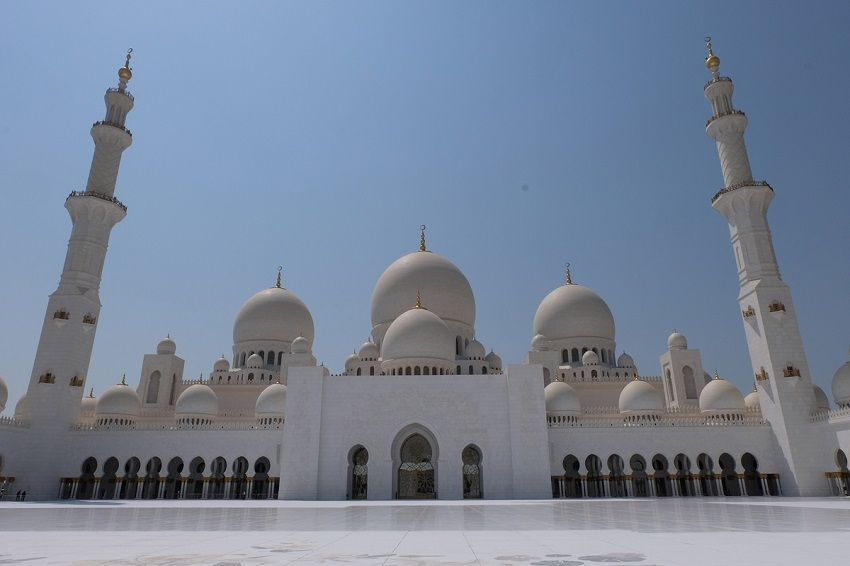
<point>416,471</point>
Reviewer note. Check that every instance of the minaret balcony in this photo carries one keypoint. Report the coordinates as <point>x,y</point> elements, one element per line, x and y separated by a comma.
<point>113,124</point>
<point>61,317</point>
<point>736,186</point>
<point>130,96</point>
<point>717,79</point>
<point>749,312</point>
<point>101,196</point>
<point>791,371</point>
<point>724,114</point>
<point>47,378</point>
<point>76,381</point>
<point>762,375</point>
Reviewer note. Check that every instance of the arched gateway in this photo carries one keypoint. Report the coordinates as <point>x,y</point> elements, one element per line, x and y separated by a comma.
<point>416,472</point>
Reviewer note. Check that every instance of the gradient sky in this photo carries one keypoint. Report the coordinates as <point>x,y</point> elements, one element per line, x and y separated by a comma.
<point>320,135</point>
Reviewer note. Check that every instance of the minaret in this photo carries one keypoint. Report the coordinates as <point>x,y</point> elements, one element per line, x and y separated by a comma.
<point>67,333</point>
<point>770,322</point>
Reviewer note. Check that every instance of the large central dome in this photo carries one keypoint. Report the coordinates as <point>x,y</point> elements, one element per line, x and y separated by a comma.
<point>443,287</point>
<point>273,315</point>
<point>573,311</point>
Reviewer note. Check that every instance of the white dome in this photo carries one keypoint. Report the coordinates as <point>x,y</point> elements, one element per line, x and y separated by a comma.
<point>119,400</point>
<point>677,341</point>
<point>273,315</point>
<point>221,364</point>
<point>719,395</point>
<point>539,343</point>
<point>369,351</point>
<point>493,360</point>
<point>4,394</point>
<point>751,401</point>
<point>272,401</point>
<point>590,358</point>
<point>821,400</point>
<point>88,405</point>
<point>625,361</point>
<point>166,346</point>
<point>351,361</point>
<point>561,399</point>
<point>198,399</point>
<point>640,397</point>
<point>254,361</point>
<point>300,345</point>
<point>475,350</point>
<point>573,311</point>
<point>22,409</point>
<point>418,333</point>
<point>841,385</point>
<point>444,289</point>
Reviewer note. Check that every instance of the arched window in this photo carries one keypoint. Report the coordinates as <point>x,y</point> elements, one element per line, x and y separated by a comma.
<point>471,458</point>
<point>371,370</point>
<point>359,465</point>
<point>280,357</point>
<point>483,370</point>
<point>359,371</point>
<point>270,358</point>
<point>173,393</point>
<point>426,370</point>
<point>593,375</point>
<point>690,383</point>
<point>565,356</point>
<point>669,384</point>
<point>417,370</point>
<point>458,370</point>
<point>408,370</point>
<point>471,370</point>
<point>575,355</point>
<point>604,356</point>
<point>458,346</point>
<point>242,363</point>
<point>262,354</point>
<point>153,387</point>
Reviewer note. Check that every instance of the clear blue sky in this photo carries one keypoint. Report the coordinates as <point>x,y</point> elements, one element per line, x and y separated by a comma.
<point>320,135</point>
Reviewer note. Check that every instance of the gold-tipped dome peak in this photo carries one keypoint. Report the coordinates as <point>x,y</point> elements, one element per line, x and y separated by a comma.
<point>126,72</point>
<point>712,61</point>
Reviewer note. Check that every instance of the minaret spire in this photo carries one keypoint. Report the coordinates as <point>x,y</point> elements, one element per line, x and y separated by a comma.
<point>777,355</point>
<point>422,247</point>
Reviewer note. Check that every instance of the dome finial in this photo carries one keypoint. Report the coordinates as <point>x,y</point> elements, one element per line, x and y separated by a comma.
<point>278,283</point>
<point>125,73</point>
<point>418,300</point>
<point>422,247</point>
<point>569,278</point>
<point>91,393</point>
<point>712,61</point>
<point>637,375</point>
<point>124,379</point>
<point>716,374</point>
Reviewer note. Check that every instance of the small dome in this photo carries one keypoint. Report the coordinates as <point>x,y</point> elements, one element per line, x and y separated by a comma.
<point>561,399</point>
<point>418,333</point>
<point>625,361</point>
<point>221,364</point>
<point>274,314</point>
<point>166,346</point>
<point>351,361</point>
<point>752,402</point>
<point>493,360</point>
<point>120,400</point>
<point>4,394</point>
<point>88,406</point>
<point>539,343</point>
<point>720,396</point>
<point>475,350</point>
<point>821,400</point>
<point>254,361</point>
<point>300,346</point>
<point>590,358</point>
<point>677,341</point>
<point>841,385</point>
<point>639,397</point>
<point>369,351</point>
<point>22,409</point>
<point>574,311</point>
<point>443,286</point>
<point>272,401</point>
<point>198,399</point>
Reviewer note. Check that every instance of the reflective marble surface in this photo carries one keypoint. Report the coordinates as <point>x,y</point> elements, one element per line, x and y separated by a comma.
<point>644,532</point>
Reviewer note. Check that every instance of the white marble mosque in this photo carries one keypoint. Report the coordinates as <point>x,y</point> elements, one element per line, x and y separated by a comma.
<point>422,410</point>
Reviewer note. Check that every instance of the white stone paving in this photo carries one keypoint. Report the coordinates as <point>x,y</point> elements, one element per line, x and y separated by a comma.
<point>641,532</point>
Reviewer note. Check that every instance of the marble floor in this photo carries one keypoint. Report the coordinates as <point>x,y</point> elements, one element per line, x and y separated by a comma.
<point>639,532</point>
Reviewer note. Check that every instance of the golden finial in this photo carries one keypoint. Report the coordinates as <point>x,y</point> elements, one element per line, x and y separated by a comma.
<point>124,379</point>
<point>125,73</point>
<point>637,376</point>
<point>569,278</point>
<point>418,300</point>
<point>277,283</point>
<point>716,374</point>
<point>422,247</point>
<point>712,61</point>
<point>91,393</point>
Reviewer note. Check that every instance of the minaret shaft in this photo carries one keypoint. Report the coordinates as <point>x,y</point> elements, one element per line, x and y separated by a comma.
<point>776,350</point>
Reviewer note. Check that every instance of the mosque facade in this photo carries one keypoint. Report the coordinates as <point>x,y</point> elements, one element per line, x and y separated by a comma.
<point>422,410</point>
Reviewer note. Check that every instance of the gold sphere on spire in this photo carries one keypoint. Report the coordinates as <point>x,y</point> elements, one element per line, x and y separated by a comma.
<point>712,61</point>
<point>126,73</point>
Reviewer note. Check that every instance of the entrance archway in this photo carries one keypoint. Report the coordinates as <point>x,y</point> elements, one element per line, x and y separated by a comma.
<point>195,484</point>
<point>728,475</point>
<point>217,484</point>
<point>707,483</point>
<point>616,476</point>
<point>471,458</point>
<point>683,475</point>
<point>260,483</point>
<point>752,478</point>
<point>572,478</point>
<point>85,489</point>
<point>109,481</point>
<point>639,479</point>
<point>358,477</point>
<point>239,481</point>
<point>131,478</point>
<point>416,474</point>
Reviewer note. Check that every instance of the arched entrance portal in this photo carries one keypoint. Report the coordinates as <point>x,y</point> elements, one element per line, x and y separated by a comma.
<point>416,478</point>
<point>471,459</point>
<point>359,466</point>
